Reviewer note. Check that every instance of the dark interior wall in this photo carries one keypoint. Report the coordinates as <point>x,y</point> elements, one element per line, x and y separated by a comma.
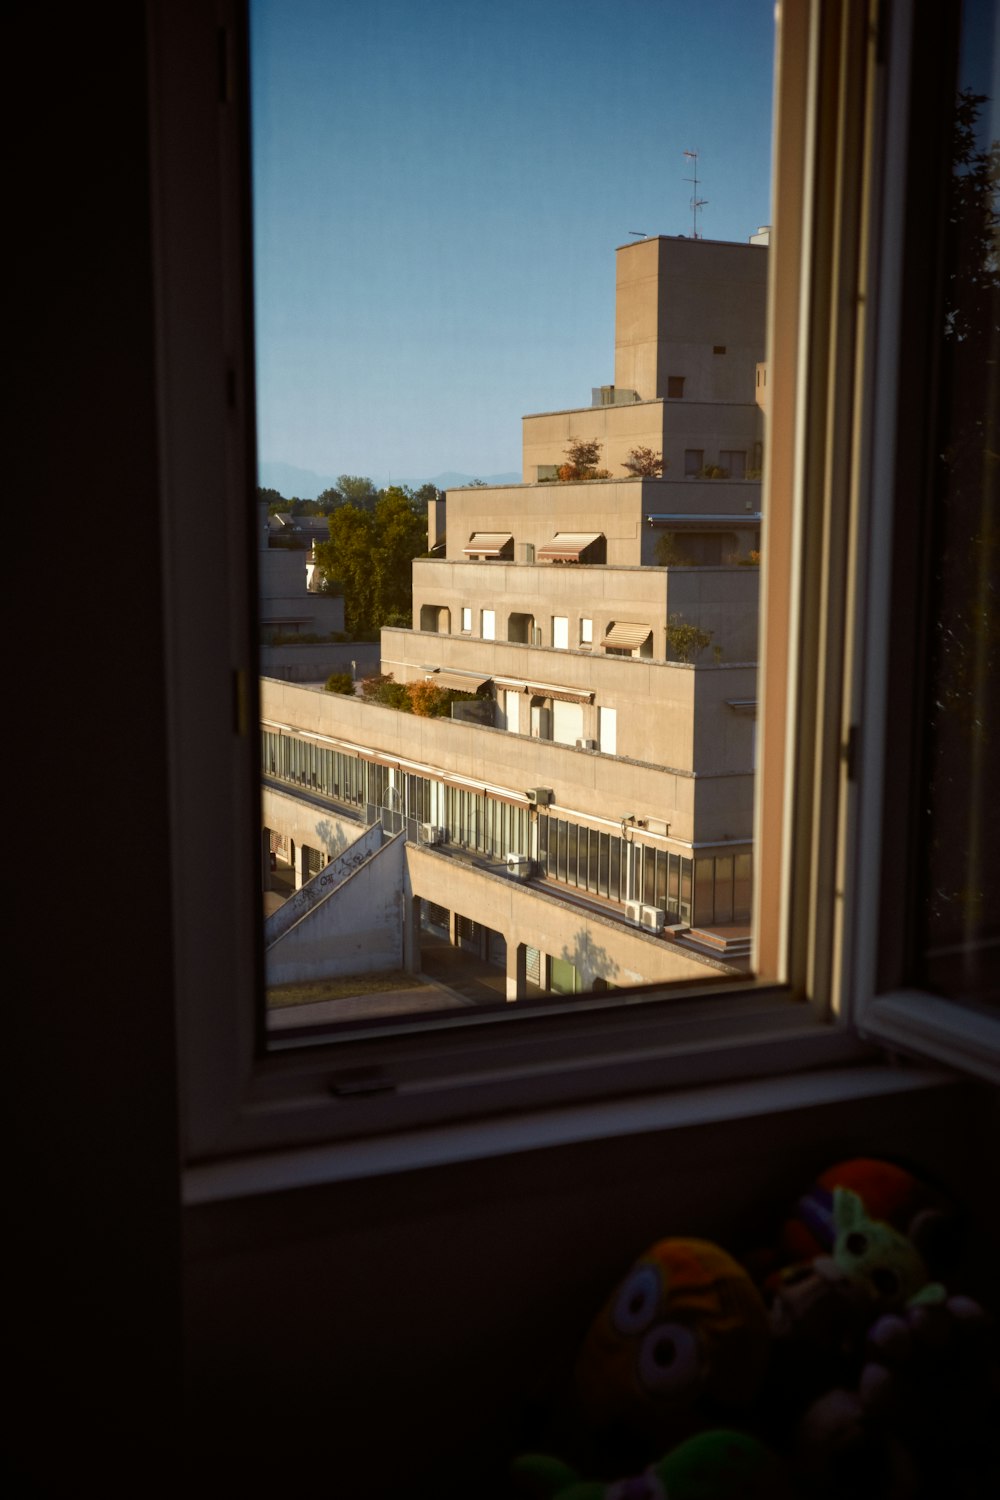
<point>93,1219</point>
<point>405,1333</point>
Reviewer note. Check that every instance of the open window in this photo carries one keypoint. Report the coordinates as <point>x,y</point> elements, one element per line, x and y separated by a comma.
<point>854,257</point>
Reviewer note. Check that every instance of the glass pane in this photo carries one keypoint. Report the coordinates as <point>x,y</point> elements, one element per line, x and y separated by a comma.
<point>959,936</point>
<point>413,298</point>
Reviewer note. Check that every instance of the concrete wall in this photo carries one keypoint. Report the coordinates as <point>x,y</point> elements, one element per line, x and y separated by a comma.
<point>358,929</point>
<point>676,299</point>
<point>615,507</point>
<point>598,947</point>
<point>669,713</point>
<point>322,885</point>
<point>668,427</point>
<point>722,600</point>
<point>589,787</point>
<point>306,823</point>
<point>619,429</point>
<point>315,663</point>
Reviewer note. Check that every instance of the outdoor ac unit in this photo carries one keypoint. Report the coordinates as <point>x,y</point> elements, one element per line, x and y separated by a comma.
<point>586,744</point>
<point>431,834</point>
<point>519,865</point>
<point>540,796</point>
<point>633,910</point>
<point>653,917</point>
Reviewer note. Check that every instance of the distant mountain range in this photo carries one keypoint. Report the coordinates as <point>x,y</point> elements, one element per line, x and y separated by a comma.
<point>289,480</point>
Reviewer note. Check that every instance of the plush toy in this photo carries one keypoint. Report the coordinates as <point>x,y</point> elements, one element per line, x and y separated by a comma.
<point>920,1419</point>
<point>889,1194</point>
<point>720,1464</point>
<point>682,1342</point>
<point>859,1244</point>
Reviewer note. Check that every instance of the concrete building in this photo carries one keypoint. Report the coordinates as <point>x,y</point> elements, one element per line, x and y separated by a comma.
<point>588,821</point>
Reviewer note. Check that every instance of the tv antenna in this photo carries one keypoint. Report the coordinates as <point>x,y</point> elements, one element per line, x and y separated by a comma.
<point>696,202</point>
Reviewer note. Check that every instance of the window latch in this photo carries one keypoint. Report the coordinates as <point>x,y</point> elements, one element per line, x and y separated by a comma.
<point>357,1081</point>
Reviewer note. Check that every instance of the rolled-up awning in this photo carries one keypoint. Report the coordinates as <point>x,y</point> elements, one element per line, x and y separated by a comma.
<point>490,544</point>
<point>625,635</point>
<point>456,680</point>
<point>567,546</point>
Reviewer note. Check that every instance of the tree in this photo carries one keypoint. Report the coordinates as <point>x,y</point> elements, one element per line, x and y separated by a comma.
<point>428,701</point>
<point>581,460</point>
<point>355,489</point>
<point>369,555</point>
<point>643,463</point>
<point>669,552</point>
<point>685,640</point>
<point>384,689</point>
<point>421,499</point>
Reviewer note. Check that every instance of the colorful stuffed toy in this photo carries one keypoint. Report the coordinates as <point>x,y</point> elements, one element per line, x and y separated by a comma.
<point>851,1253</point>
<point>720,1464</point>
<point>682,1342</point>
<point>889,1194</point>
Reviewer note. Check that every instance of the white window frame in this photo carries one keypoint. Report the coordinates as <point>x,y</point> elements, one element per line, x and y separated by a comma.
<point>466,619</point>
<point>545,1076</point>
<point>560,632</point>
<point>586,631</point>
<point>488,624</point>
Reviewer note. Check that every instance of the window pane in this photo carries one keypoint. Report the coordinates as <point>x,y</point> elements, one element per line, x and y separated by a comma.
<point>959,937</point>
<point>406,302</point>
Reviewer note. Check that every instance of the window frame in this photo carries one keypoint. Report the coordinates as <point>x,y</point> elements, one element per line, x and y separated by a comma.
<point>810,939</point>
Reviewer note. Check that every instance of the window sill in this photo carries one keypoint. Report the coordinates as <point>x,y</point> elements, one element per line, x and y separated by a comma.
<point>262,1174</point>
<point>481,1074</point>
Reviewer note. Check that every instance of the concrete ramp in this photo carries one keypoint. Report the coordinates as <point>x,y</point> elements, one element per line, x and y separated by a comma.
<point>321,886</point>
<point>348,919</point>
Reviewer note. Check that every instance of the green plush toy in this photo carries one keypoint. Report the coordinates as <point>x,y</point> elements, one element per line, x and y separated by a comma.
<point>720,1464</point>
<point>681,1344</point>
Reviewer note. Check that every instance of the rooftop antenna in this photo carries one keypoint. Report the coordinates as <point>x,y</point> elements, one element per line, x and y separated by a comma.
<point>696,202</point>
<point>640,233</point>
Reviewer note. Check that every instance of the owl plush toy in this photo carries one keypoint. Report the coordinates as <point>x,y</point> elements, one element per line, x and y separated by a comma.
<point>681,1344</point>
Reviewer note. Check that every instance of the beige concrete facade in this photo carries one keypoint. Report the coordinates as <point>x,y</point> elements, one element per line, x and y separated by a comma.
<point>677,301</point>
<point>621,780</point>
<point>592,788</point>
<point>526,598</point>
<point>689,335</point>
<point>629,513</point>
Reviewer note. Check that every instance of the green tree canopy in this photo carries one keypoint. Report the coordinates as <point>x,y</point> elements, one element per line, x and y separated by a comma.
<point>369,554</point>
<point>356,489</point>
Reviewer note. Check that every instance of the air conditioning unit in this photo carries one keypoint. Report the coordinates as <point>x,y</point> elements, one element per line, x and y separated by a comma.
<point>431,834</point>
<point>586,744</point>
<point>633,910</point>
<point>653,917</point>
<point>541,796</point>
<point>520,866</point>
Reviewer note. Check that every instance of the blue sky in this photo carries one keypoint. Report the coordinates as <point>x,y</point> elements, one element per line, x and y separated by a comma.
<point>439,188</point>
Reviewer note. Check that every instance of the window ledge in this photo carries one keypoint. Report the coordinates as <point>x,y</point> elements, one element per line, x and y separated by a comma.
<point>259,1174</point>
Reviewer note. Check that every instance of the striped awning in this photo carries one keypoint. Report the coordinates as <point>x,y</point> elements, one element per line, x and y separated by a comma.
<point>471,684</point>
<point>567,546</point>
<point>623,635</point>
<point>489,544</point>
<point>554,690</point>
